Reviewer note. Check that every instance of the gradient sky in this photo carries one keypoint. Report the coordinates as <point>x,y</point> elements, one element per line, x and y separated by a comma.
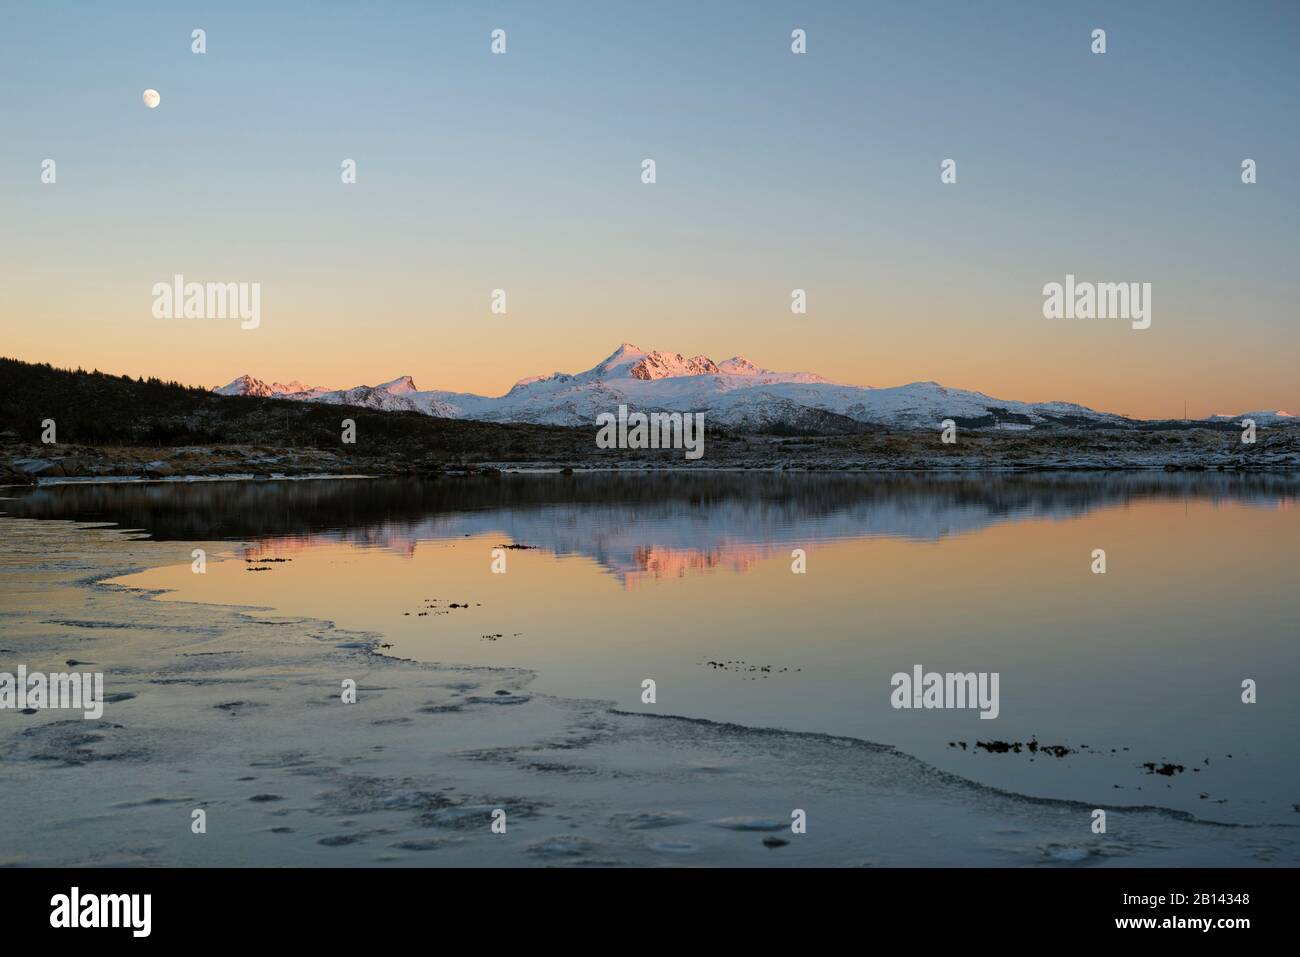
<point>775,171</point>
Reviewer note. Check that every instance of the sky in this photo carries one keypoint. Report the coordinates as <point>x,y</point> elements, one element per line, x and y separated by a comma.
<point>775,172</point>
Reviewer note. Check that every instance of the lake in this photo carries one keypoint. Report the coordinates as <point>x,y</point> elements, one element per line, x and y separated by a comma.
<point>598,582</point>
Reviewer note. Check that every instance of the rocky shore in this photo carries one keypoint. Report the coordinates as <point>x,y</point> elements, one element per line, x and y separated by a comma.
<point>1174,450</point>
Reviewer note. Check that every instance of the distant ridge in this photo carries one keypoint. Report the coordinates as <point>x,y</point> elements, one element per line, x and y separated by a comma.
<point>736,393</point>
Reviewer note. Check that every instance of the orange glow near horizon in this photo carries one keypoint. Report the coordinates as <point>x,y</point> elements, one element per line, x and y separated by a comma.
<point>1101,364</point>
<point>775,173</point>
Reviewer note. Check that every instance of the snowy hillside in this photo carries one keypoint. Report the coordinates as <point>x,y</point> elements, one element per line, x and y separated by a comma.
<point>736,392</point>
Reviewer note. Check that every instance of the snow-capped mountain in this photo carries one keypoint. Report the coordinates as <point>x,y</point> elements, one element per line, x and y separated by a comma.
<point>1269,417</point>
<point>736,393</point>
<point>247,385</point>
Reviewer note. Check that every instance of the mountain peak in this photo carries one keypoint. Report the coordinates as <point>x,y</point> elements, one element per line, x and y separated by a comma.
<point>245,385</point>
<point>623,356</point>
<point>399,386</point>
<point>624,352</point>
<point>249,385</point>
<point>667,365</point>
<point>289,387</point>
<point>739,365</point>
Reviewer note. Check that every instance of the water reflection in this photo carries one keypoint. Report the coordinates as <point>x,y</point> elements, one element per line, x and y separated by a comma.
<point>637,526</point>
<point>629,576</point>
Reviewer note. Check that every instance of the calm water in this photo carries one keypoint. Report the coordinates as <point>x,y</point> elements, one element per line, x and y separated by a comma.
<point>687,580</point>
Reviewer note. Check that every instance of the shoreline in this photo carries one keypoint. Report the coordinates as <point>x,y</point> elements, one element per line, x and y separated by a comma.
<point>240,715</point>
<point>1276,449</point>
<point>492,470</point>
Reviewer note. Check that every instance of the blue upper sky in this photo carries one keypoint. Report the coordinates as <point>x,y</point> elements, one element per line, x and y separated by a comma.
<point>775,171</point>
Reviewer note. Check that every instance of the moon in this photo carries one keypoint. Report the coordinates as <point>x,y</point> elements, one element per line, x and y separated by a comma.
<point>151,98</point>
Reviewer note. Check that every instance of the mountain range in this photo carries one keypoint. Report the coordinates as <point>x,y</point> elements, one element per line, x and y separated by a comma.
<point>735,393</point>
